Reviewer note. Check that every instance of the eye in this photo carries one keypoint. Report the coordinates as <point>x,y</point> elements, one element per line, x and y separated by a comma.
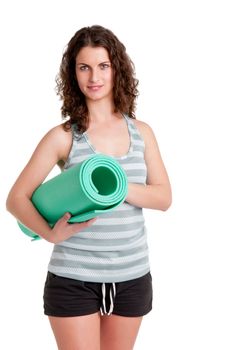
<point>84,68</point>
<point>104,65</point>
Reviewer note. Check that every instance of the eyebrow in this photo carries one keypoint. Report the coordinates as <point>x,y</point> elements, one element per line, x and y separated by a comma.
<point>85,64</point>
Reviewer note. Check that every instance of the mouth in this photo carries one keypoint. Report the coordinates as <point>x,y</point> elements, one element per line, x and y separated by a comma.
<point>94,87</point>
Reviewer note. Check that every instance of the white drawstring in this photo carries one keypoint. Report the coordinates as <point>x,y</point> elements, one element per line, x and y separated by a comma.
<point>103,299</point>
<point>112,297</point>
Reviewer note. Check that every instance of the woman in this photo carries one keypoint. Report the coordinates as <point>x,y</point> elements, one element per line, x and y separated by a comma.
<point>98,286</point>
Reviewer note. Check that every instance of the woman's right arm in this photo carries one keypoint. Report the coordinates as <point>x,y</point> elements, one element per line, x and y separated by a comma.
<point>53,147</point>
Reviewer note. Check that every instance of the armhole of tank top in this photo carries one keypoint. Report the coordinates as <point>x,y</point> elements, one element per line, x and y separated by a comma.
<point>66,164</point>
<point>134,128</point>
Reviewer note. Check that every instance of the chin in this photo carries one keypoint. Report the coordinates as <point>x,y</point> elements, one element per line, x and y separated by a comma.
<point>98,97</point>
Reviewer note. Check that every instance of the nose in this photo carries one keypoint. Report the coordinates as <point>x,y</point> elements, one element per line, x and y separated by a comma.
<point>93,76</point>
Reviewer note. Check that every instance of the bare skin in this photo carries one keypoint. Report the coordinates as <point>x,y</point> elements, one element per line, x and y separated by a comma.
<point>109,134</point>
<point>95,332</point>
<point>77,333</point>
<point>119,332</point>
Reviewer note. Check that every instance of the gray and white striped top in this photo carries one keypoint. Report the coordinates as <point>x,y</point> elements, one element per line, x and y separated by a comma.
<point>114,248</point>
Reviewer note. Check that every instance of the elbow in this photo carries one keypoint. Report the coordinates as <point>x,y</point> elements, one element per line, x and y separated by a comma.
<point>166,205</point>
<point>167,202</point>
<point>12,201</point>
<point>9,203</point>
<point>161,198</point>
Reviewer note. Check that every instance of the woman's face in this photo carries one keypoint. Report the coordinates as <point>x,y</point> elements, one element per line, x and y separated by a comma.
<point>94,73</point>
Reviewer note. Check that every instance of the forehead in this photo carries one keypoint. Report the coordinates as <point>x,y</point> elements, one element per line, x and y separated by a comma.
<point>92,55</point>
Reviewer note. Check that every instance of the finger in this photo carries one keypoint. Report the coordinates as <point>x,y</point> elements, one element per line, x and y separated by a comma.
<point>91,220</point>
<point>80,225</point>
<point>66,216</point>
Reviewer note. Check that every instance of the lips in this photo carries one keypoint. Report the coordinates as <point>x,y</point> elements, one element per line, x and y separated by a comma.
<point>94,87</point>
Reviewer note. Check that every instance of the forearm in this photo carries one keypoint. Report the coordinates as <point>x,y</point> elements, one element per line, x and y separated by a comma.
<point>24,211</point>
<point>149,196</point>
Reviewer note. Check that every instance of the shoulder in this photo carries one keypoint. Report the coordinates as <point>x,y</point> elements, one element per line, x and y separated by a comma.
<point>60,139</point>
<point>145,131</point>
<point>142,126</point>
<point>59,132</point>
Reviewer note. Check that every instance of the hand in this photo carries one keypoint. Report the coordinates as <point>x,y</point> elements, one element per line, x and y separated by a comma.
<point>62,230</point>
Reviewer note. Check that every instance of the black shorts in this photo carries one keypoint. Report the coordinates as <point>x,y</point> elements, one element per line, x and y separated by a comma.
<point>65,297</point>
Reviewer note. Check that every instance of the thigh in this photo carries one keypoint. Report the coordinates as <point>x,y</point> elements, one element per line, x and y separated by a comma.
<point>77,333</point>
<point>118,332</point>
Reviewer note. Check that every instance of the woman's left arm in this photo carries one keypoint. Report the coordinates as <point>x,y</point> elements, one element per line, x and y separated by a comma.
<point>156,194</point>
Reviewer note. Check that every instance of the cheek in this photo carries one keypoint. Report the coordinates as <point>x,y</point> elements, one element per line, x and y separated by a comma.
<point>80,81</point>
<point>110,78</point>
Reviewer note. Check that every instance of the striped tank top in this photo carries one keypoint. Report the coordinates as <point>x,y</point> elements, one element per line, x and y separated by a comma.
<point>114,248</point>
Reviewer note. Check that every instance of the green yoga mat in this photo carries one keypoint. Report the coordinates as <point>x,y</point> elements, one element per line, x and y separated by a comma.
<point>86,190</point>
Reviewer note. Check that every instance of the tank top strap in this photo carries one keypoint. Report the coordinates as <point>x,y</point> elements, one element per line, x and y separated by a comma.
<point>133,130</point>
<point>76,135</point>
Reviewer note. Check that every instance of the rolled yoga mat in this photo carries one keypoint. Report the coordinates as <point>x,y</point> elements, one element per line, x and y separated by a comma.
<point>86,190</point>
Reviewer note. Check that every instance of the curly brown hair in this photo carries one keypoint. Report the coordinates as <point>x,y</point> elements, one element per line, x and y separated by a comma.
<point>125,84</point>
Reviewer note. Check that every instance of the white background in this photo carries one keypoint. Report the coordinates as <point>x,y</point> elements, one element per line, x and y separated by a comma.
<point>182,52</point>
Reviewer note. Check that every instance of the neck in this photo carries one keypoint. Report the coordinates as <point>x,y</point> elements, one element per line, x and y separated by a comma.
<point>101,111</point>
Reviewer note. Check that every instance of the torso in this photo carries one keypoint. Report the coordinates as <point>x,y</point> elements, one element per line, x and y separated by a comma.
<point>114,249</point>
<point>113,139</point>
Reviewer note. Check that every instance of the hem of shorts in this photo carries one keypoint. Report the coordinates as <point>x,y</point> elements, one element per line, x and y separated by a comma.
<point>127,314</point>
<point>71,314</point>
